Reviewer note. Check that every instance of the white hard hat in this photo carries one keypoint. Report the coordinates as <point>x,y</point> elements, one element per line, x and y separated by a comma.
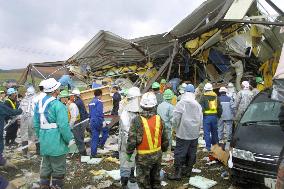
<point>230,85</point>
<point>30,90</point>
<point>11,91</point>
<point>41,84</point>
<point>76,92</point>
<point>223,89</point>
<point>208,87</point>
<point>133,92</point>
<point>51,85</point>
<point>245,84</point>
<point>148,100</point>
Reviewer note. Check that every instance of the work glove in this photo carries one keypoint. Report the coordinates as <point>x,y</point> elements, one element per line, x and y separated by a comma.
<point>71,142</point>
<point>129,157</point>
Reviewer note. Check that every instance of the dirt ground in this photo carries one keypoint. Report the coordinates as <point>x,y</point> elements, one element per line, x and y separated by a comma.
<point>79,176</point>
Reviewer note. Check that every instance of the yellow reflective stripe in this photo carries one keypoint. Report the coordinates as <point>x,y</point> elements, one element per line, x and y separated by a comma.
<point>157,131</point>
<point>148,133</point>
<point>210,111</point>
<point>13,105</point>
<point>148,151</point>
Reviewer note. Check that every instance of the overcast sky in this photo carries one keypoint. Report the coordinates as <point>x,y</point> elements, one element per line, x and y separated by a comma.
<point>38,31</point>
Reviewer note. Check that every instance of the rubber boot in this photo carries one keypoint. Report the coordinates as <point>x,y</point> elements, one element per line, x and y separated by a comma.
<point>37,148</point>
<point>57,183</point>
<point>44,183</point>
<point>176,175</point>
<point>132,178</point>
<point>25,150</point>
<point>124,182</point>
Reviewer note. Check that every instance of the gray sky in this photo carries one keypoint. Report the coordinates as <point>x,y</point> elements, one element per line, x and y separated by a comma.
<point>38,31</point>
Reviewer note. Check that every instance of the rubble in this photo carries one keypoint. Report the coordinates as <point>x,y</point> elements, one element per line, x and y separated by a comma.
<point>201,182</point>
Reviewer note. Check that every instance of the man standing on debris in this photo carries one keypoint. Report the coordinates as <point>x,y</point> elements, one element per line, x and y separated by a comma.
<point>67,81</point>
<point>187,119</point>
<point>165,111</point>
<point>226,119</point>
<point>243,100</point>
<point>211,111</point>
<point>5,112</point>
<point>129,112</point>
<point>239,69</point>
<point>26,130</point>
<point>116,98</point>
<point>11,131</point>
<point>74,118</point>
<point>97,122</point>
<point>52,128</point>
<point>149,137</point>
<point>156,90</point>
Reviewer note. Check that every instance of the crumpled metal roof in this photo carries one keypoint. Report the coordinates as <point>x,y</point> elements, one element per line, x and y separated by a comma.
<point>107,48</point>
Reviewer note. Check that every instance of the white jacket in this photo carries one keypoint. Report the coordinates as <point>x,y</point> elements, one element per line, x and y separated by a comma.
<point>187,117</point>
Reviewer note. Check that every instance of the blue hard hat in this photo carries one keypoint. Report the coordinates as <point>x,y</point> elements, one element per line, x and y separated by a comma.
<point>11,91</point>
<point>189,88</point>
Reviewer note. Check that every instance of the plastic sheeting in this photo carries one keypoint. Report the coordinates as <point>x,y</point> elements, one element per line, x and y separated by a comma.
<point>221,61</point>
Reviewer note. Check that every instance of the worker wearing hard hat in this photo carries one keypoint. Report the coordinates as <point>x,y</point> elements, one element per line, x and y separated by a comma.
<point>163,85</point>
<point>149,137</point>
<point>187,119</point>
<point>260,83</point>
<point>211,111</point>
<point>156,90</point>
<point>129,111</point>
<point>11,131</point>
<point>67,80</point>
<point>52,128</point>
<point>226,119</point>
<point>27,131</point>
<point>5,112</point>
<point>165,111</point>
<point>243,99</point>
<point>74,118</point>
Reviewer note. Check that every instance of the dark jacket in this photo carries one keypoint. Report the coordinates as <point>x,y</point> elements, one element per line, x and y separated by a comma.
<point>7,112</point>
<point>82,109</point>
<point>116,99</point>
<point>205,100</point>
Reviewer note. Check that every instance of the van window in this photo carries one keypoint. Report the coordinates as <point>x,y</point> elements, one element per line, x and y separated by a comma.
<point>262,111</point>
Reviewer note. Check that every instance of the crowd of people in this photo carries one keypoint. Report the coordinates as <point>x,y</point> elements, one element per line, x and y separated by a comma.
<point>55,118</point>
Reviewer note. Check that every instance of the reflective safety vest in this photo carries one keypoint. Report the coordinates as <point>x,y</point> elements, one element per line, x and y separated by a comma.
<point>12,103</point>
<point>152,135</point>
<point>212,107</point>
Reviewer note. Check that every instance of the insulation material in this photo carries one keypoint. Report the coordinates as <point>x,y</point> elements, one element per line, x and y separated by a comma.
<point>201,182</point>
<point>194,44</point>
<point>212,72</point>
<point>238,9</point>
<point>220,154</point>
<point>268,70</point>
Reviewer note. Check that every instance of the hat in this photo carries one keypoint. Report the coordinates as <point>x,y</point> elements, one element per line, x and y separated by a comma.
<point>245,84</point>
<point>76,92</point>
<point>168,94</point>
<point>31,90</point>
<point>259,80</point>
<point>11,91</point>
<point>163,81</point>
<point>41,84</point>
<point>155,85</point>
<point>50,85</point>
<point>208,87</point>
<point>230,85</point>
<point>223,89</point>
<point>148,100</point>
<point>182,87</point>
<point>189,88</point>
<point>63,94</point>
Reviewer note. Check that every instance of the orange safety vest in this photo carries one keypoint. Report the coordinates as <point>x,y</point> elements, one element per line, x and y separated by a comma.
<point>152,135</point>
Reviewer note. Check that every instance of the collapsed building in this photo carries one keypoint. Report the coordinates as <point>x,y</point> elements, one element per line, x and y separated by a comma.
<point>220,41</point>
